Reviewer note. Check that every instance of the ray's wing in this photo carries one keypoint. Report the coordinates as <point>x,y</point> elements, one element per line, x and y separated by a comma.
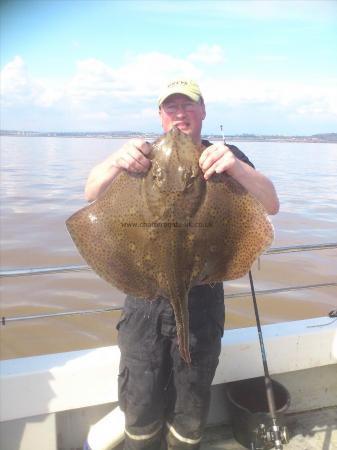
<point>239,230</point>
<point>109,235</point>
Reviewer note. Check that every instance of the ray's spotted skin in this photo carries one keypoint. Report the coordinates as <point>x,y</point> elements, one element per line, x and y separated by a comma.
<point>162,232</point>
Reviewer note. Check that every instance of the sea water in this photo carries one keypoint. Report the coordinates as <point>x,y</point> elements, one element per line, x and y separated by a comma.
<point>42,184</point>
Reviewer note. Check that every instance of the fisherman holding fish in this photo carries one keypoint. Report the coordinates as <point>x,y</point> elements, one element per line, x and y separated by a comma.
<point>165,400</point>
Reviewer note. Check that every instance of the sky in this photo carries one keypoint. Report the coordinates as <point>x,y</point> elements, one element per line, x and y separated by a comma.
<point>264,67</point>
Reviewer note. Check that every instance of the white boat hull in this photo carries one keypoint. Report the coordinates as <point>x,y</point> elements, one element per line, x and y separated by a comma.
<point>52,401</point>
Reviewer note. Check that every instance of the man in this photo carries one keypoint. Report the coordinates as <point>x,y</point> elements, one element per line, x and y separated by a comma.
<point>166,401</point>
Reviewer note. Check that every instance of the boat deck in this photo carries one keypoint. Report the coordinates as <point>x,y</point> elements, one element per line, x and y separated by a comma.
<point>312,430</point>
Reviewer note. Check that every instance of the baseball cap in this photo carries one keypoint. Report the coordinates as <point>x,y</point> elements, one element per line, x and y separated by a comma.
<point>181,86</point>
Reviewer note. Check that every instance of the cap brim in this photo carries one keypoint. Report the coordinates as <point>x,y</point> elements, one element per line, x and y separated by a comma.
<point>194,97</point>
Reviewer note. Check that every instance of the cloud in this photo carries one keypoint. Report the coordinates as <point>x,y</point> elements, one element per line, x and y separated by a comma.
<point>293,96</point>
<point>100,116</point>
<point>19,88</point>
<point>139,77</point>
<point>93,80</point>
<point>208,54</point>
<point>16,85</point>
<point>97,94</point>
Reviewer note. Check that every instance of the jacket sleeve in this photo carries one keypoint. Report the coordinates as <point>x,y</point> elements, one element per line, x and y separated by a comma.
<point>240,155</point>
<point>236,151</point>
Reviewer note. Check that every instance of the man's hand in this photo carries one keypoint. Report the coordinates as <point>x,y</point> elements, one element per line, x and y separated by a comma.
<point>217,158</point>
<point>132,156</point>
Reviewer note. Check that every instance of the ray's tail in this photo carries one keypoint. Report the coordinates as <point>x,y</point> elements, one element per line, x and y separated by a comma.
<point>180,308</point>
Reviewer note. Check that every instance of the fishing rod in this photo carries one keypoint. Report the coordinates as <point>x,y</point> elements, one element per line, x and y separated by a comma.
<point>275,434</point>
<point>222,133</point>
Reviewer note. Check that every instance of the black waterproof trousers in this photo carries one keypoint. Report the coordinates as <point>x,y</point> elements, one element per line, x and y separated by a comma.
<point>165,401</point>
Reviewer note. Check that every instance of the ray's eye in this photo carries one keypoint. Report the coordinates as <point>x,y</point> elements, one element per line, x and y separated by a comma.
<point>189,177</point>
<point>188,181</point>
<point>158,174</point>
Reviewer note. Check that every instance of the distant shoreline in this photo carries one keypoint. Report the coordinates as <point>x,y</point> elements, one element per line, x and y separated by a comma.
<point>316,138</point>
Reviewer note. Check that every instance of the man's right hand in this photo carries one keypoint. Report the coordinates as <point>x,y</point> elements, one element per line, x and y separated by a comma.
<point>131,157</point>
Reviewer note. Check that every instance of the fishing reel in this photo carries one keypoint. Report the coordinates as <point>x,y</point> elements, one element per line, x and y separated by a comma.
<point>266,436</point>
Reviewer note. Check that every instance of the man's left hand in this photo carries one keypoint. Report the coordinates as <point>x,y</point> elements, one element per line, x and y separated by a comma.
<point>217,158</point>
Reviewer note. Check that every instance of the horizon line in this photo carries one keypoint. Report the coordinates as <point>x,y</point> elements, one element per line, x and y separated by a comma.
<point>244,134</point>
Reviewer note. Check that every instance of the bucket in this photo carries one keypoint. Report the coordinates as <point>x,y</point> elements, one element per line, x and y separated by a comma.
<point>107,433</point>
<point>248,408</point>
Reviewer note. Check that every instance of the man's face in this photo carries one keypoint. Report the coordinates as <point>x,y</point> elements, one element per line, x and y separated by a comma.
<point>180,111</point>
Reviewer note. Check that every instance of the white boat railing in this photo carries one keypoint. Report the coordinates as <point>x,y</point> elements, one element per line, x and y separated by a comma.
<point>19,272</point>
<point>26,271</point>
